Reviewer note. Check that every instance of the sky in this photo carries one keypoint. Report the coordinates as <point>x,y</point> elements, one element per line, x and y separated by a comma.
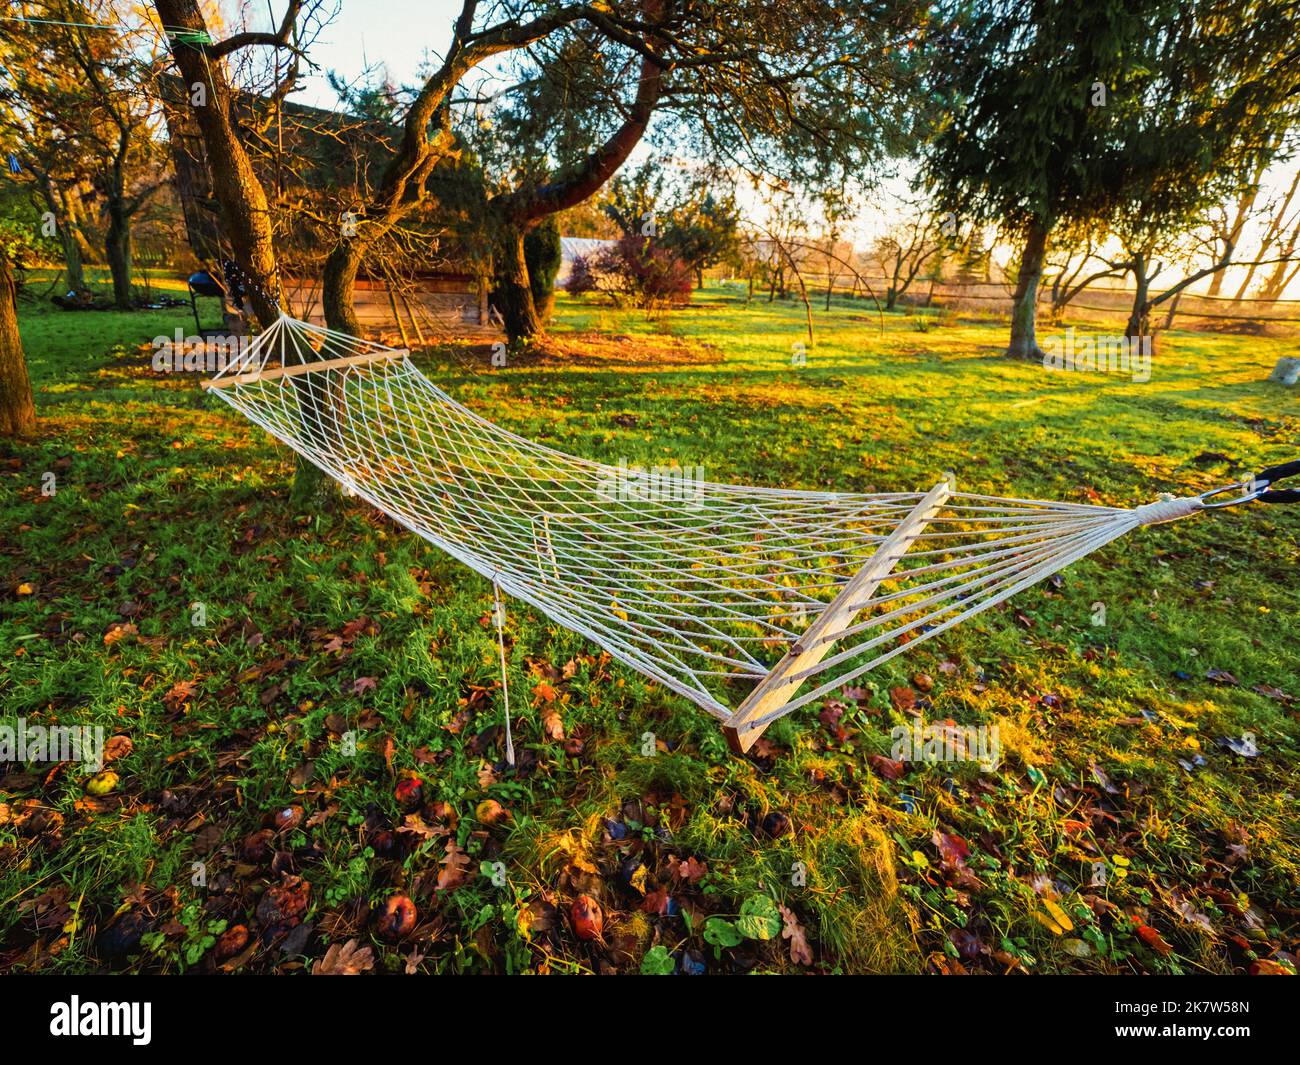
<point>395,33</point>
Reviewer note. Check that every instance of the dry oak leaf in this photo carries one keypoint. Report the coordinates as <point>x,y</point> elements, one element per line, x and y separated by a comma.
<point>800,952</point>
<point>345,959</point>
<point>455,865</point>
<point>417,826</point>
<point>552,723</point>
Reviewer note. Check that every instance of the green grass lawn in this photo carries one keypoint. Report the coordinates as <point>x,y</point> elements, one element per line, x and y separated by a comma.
<point>329,737</point>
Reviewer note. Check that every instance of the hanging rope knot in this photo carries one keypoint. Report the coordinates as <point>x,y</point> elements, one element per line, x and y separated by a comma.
<point>1168,508</point>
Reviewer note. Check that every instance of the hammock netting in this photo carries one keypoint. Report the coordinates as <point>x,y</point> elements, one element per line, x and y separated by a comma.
<point>711,589</point>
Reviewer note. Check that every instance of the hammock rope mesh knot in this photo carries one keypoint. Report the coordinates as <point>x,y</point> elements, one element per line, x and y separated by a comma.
<point>751,602</point>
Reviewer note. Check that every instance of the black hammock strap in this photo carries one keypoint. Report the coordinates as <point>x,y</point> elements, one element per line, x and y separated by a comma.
<point>1274,474</point>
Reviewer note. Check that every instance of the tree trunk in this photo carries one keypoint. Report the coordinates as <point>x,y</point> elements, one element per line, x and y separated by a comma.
<point>241,203</point>
<point>1173,310</point>
<point>66,228</point>
<point>518,211</point>
<point>313,490</point>
<point>894,290</point>
<point>1281,278</point>
<point>1139,319</point>
<point>1024,308</point>
<point>75,210</point>
<point>17,412</point>
<point>338,288</point>
<point>117,250</point>
<point>72,259</point>
<point>241,200</point>
<point>1283,270</point>
<point>512,294</point>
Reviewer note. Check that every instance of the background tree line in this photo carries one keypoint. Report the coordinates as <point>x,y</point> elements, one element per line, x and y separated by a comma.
<point>1119,139</point>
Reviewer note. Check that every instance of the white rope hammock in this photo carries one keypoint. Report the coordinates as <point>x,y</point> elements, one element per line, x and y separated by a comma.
<point>728,594</point>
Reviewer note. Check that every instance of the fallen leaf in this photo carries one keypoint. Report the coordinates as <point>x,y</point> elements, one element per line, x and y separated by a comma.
<point>1152,939</point>
<point>791,929</point>
<point>417,826</point>
<point>347,959</point>
<point>455,867</point>
<point>903,698</point>
<point>118,632</point>
<point>889,768</point>
<point>552,723</point>
<point>656,902</point>
<point>1076,948</point>
<point>1053,918</point>
<point>1264,967</point>
<point>178,694</point>
<point>691,869</point>
<point>283,905</point>
<point>117,747</point>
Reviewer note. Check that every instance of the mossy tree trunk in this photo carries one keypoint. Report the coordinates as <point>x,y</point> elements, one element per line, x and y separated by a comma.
<point>241,202</point>
<point>65,226</point>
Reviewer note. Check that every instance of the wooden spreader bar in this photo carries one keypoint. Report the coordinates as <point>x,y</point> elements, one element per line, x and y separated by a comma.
<point>253,376</point>
<point>776,689</point>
